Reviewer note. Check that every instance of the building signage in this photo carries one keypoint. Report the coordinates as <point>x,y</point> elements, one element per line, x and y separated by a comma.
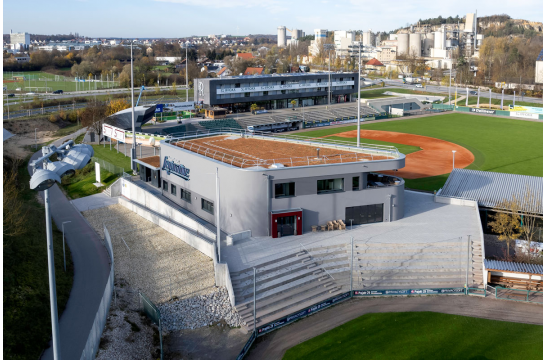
<point>283,87</point>
<point>409,292</point>
<point>524,115</point>
<point>300,314</point>
<point>180,106</point>
<point>113,132</point>
<point>159,108</point>
<point>177,169</point>
<point>483,111</point>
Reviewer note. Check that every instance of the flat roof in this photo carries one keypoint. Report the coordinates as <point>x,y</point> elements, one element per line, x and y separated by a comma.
<point>268,151</point>
<point>152,162</point>
<point>268,76</point>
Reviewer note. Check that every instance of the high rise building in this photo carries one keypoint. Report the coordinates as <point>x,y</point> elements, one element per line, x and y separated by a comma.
<point>19,38</point>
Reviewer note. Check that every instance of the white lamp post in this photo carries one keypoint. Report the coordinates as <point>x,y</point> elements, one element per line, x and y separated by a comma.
<point>453,156</point>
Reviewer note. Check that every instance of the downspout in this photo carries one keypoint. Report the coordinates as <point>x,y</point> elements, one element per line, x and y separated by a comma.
<point>268,194</point>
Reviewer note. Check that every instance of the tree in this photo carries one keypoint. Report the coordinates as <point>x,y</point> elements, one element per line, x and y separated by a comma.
<point>14,220</point>
<point>115,106</point>
<point>253,108</point>
<point>528,203</point>
<point>506,222</point>
<point>293,103</point>
<point>93,116</point>
<point>445,81</point>
<point>174,88</point>
<point>157,89</point>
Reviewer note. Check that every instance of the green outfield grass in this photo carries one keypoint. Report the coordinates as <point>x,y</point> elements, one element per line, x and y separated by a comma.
<point>498,144</point>
<point>423,335</point>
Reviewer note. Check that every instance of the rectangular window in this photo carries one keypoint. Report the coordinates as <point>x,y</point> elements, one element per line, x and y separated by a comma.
<point>283,91</point>
<point>246,94</point>
<point>284,190</point>
<point>237,85</point>
<point>356,183</point>
<point>265,93</point>
<point>165,185</point>
<point>319,80</point>
<point>185,195</point>
<point>207,206</point>
<point>173,189</point>
<point>330,185</point>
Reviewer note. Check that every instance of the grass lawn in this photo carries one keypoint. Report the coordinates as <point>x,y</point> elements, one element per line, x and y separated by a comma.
<point>423,335</point>
<point>507,100</point>
<point>498,144</point>
<point>81,184</point>
<point>404,149</point>
<point>72,128</point>
<point>27,319</point>
<point>112,156</point>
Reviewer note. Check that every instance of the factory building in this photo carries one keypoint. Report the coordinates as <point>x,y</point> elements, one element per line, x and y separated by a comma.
<point>319,36</point>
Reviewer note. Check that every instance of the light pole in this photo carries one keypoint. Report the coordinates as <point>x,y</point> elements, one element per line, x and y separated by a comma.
<point>186,79</point>
<point>133,148</point>
<point>359,91</point>
<point>63,251</point>
<point>453,156</point>
<point>328,47</point>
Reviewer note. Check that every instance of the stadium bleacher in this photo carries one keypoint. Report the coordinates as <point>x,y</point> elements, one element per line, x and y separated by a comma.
<point>218,124</point>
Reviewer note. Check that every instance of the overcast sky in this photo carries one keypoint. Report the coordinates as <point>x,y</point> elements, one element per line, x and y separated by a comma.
<point>180,18</point>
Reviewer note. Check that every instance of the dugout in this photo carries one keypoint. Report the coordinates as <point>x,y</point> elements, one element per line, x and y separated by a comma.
<point>514,274</point>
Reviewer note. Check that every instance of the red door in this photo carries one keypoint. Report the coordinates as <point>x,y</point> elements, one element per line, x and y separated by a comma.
<point>282,222</point>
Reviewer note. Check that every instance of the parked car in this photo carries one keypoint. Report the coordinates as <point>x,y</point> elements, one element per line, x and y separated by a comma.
<point>57,92</point>
<point>418,85</point>
<point>11,95</point>
<point>473,93</point>
<point>30,93</point>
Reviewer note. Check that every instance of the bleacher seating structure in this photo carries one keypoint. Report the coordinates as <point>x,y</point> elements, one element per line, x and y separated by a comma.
<point>219,124</point>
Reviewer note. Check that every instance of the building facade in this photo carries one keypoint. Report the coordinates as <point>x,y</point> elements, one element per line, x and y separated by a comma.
<point>20,38</point>
<point>276,91</point>
<point>268,201</point>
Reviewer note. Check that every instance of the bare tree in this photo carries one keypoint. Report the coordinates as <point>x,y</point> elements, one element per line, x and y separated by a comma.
<point>529,203</point>
<point>93,116</point>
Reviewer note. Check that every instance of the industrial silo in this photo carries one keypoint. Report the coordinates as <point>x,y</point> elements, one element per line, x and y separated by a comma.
<point>428,44</point>
<point>439,42</point>
<point>415,44</point>
<point>281,36</point>
<point>402,43</point>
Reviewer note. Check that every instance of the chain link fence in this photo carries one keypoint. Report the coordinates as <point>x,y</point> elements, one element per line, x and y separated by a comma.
<point>111,168</point>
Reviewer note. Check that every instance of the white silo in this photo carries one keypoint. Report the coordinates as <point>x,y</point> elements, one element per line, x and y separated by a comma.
<point>281,36</point>
<point>415,44</point>
<point>428,44</point>
<point>439,42</point>
<point>402,43</point>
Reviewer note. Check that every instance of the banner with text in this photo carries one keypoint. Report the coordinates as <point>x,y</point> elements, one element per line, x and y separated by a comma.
<point>113,132</point>
<point>409,292</point>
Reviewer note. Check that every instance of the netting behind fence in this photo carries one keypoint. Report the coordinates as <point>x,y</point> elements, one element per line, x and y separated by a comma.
<point>111,168</point>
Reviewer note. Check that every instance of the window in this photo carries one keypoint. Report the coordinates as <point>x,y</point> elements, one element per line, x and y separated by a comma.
<point>319,80</point>
<point>356,183</point>
<point>284,190</point>
<point>207,206</point>
<point>330,185</point>
<point>237,85</point>
<point>265,93</point>
<point>341,79</point>
<point>165,185</point>
<point>283,91</point>
<point>185,195</point>
<point>246,94</point>
<point>173,189</point>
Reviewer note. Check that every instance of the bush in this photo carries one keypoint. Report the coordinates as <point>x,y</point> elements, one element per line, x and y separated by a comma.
<point>53,118</point>
<point>73,116</point>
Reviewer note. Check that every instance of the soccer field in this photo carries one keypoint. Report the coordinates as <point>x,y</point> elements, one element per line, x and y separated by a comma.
<point>35,81</point>
<point>498,144</point>
<point>423,335</point>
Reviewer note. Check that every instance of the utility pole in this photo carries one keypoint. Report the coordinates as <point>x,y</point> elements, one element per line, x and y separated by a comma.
<point>186,78</point>
<point>133,148</point>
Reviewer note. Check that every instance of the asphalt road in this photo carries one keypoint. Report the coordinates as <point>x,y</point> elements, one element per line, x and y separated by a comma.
<point>91,269</point>
<point>275,344</point>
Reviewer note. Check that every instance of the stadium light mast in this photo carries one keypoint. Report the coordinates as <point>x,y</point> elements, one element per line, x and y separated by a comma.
<point>186,79</point>
<point>133,148</point>
<point>359,46</point>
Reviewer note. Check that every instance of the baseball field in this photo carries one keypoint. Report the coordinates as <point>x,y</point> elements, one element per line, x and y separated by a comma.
<point>496,144</point>
<point>423,335</point>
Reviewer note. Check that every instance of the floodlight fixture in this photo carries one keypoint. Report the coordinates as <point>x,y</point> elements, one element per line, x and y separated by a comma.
<point>43,179</point>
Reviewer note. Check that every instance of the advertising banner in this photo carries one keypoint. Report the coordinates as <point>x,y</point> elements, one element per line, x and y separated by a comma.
<point>524,115</point>
<point>302,313</point>
<point>344,122</point>
<point>159,108</point>
<point>483,111</point>
<point>409,292</point>
<point>526,109</point>
<point>113,132</point>
<point>180,106</point>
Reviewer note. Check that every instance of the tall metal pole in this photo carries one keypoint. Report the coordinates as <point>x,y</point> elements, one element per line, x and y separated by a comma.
<point>36,138</point>
<point>52,285</point>
<point>501,106</point>
<point>254,302</point>
<point>351,264</point>
<point>133,148</point>
<point>514,97</point>
<point>478,97</point>
<point>217,208</point>
<point>186,79</point>
<point>467,94</point>
<point>453,156</point>
<point>490,98</point>
<point>359,92</point>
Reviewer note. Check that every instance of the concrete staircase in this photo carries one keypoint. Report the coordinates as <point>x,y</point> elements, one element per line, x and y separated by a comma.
<point>476,270</point>
<point>402,266</point>
<point>290,283</point>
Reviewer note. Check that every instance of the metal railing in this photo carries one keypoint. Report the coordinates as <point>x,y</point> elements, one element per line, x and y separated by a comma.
<point>532,296</point>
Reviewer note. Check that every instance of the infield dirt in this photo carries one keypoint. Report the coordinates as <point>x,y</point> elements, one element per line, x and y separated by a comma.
<point>434,159</point>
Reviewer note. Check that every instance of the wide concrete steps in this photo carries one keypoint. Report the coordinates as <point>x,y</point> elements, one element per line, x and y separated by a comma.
<point>263,279</point>
<point>409,256</point>
<point>413,263</point>
<point>265,266</point>
<point>446,244</point>
<point>405,250</point>
<point>413,276</point>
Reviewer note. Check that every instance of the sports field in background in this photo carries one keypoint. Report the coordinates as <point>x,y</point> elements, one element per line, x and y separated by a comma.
<point>498,144</point>
<point>423,335</point>
<point>35,81</point>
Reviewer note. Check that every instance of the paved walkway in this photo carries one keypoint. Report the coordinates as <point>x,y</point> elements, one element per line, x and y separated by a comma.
<point>275,344</point>
<point>91,269</point>
<point>94,202</point>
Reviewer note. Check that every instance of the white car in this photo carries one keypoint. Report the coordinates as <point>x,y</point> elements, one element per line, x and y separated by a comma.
<point>418,85</point>
<point>30,93</point>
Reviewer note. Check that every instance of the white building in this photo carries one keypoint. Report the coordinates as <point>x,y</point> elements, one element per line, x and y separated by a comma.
<point>20,38</point>
<point>319,36</point>
<point>539,68</point>
<point>170,59</point>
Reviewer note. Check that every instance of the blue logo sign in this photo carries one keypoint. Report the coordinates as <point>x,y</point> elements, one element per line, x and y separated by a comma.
<point>159,108</point>
<point>176,169</point>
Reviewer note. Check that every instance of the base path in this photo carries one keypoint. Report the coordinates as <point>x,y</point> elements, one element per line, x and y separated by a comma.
<point>434,159</point>
<point>275,344</point>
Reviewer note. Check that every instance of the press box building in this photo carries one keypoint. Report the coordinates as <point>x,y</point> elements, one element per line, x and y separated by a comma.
<point>277,186</point>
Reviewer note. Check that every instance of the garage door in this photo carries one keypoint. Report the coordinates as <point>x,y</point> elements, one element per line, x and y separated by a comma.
<point>366,214</point>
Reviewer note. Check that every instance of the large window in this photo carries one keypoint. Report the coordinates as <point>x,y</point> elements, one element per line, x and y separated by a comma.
<point>207,206</point>
<point>173,189</point>
<point>366,214</point>
<point>284,190</point>
<point>356,183</point>
<point>165,185</point>
<point>185,195</point>
<point>330,185</point>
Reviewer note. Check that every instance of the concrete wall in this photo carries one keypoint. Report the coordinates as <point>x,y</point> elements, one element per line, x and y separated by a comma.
<point>223,278</point>
<point>202,244</point>
<point>244,194</point>
<point>154,203</point>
